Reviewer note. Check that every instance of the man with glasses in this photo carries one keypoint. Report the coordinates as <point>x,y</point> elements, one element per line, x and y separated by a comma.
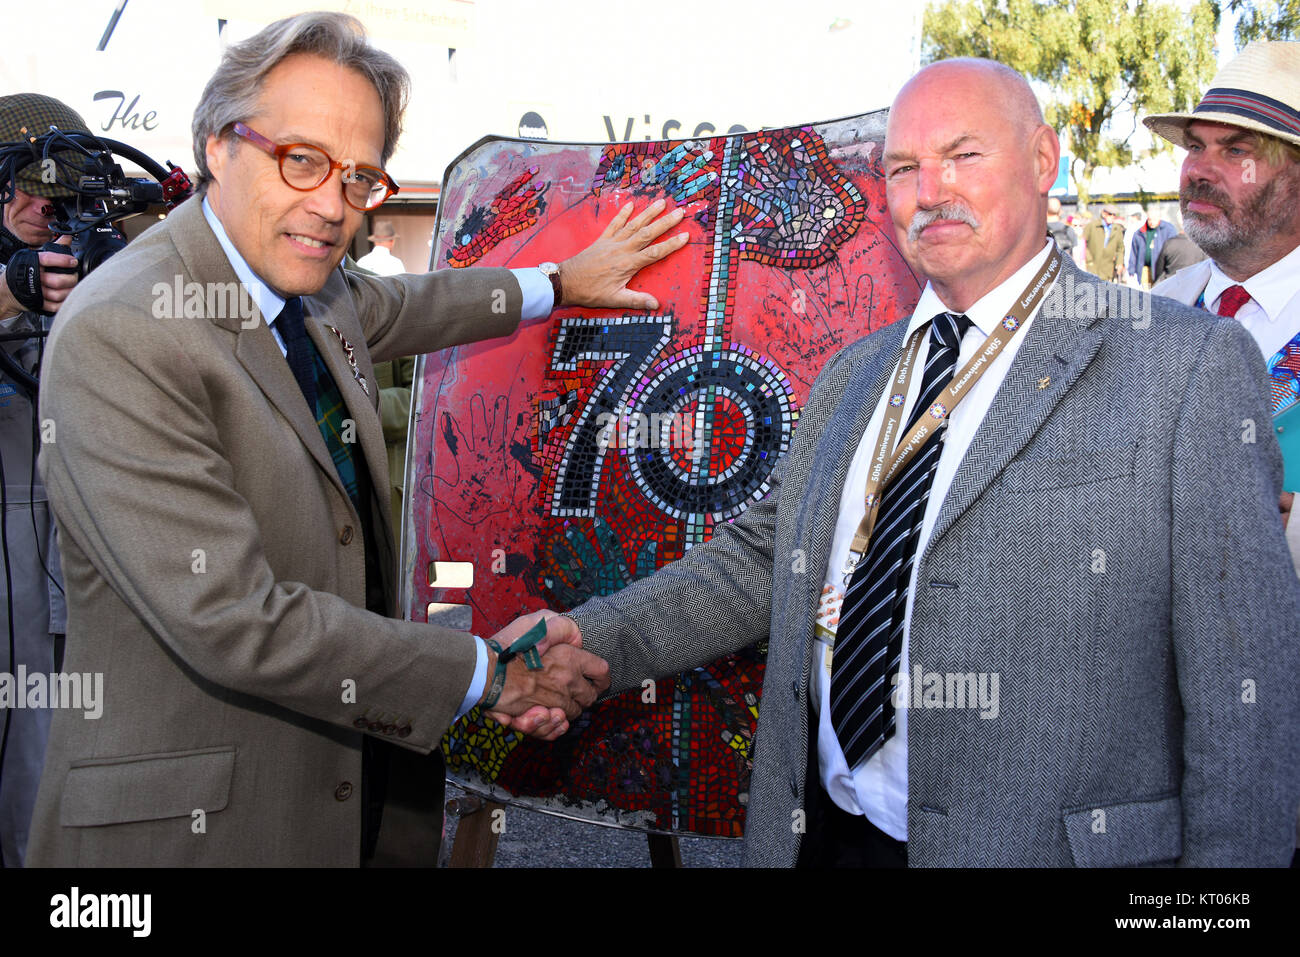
<point>219,481</point>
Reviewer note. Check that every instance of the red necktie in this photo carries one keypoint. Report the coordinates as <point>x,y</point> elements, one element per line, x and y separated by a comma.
<point>1233,298</point>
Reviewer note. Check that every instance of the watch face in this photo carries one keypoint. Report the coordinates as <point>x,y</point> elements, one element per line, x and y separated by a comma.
<point>550,269</point>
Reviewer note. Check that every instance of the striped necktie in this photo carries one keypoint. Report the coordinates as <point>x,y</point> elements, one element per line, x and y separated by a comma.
<point>869,639</point>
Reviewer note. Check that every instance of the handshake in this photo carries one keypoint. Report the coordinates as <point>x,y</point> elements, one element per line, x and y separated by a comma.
<point>544,687</point>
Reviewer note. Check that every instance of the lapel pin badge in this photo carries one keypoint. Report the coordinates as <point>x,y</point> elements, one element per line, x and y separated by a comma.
<point>1044,382</point>
<point>352,360</point>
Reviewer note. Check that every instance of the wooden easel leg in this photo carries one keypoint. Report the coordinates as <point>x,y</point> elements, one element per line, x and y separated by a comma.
<point>664,851</point>
<point>476,835</point>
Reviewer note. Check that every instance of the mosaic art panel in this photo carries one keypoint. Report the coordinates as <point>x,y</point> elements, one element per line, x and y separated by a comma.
<point>585,451</point>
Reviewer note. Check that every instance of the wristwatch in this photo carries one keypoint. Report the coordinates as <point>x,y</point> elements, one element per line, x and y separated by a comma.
<point>552,272</point>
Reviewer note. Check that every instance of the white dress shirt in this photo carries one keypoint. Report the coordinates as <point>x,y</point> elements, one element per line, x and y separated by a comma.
<point>878,786</point>
<point>381,262</point>
<point>1272,315</point>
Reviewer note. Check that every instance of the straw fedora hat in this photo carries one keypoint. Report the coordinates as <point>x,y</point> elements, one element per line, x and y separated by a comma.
<point>1259,90</point>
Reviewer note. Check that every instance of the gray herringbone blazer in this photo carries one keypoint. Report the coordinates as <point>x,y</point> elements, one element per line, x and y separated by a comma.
<point>1110,547</point>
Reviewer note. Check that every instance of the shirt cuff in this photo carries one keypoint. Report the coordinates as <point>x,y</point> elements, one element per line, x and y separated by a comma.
<point>477,684</point>
<point>539,294</point>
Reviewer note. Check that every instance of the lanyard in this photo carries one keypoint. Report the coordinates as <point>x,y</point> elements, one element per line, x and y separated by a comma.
<point>887,465</point>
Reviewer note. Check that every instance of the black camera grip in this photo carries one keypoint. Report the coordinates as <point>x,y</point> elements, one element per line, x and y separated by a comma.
<point>63,249</point>
<point>23,276</point>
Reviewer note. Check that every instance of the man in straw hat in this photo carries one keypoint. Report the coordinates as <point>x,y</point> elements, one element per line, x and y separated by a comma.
<point>1237,193</point>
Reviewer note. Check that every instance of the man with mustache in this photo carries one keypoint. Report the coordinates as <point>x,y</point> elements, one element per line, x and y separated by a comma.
<point>1002,630</point>
<point>1238,190</point>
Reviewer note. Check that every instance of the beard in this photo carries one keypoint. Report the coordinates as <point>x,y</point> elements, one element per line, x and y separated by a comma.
<point>1268,212</point>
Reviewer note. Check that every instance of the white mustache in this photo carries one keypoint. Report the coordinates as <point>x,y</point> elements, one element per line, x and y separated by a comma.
<point>927,217</point>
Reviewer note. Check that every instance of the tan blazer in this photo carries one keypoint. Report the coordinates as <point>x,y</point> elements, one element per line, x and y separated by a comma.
<point>215,566</point>
<point>1103,257</point>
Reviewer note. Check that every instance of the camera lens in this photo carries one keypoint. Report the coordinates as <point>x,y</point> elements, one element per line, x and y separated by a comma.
<point>96,246</point>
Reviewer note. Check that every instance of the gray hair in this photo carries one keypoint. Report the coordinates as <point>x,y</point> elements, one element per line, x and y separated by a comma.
<point>235,90</point>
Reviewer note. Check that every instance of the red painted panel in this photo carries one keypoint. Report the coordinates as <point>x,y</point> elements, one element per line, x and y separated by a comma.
<point>585,451</point>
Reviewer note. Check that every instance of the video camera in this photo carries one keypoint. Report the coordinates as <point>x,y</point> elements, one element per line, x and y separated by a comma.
<point>102,195</point>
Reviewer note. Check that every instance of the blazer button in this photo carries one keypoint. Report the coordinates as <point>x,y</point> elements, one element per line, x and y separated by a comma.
<point>345,536</point>
<point>404,731</point>
<point>343,791</point>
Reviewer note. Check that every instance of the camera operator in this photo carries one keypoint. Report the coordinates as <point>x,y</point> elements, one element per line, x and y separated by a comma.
<point>32,603</point>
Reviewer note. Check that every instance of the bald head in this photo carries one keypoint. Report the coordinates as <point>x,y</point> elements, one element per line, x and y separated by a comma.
<point>1010,93</point>
<point>968,165</point>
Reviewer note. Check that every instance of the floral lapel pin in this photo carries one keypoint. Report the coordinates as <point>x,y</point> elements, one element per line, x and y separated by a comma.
<point>352,360</point>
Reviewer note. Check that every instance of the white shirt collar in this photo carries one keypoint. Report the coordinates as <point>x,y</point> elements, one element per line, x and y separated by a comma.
<point>1271,288</point>
<point>991,308</point>
<point>268,301</point>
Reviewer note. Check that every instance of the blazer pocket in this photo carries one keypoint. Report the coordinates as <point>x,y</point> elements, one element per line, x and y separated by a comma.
<point>147,787</point>
<point>1126,835</point>
<point>1082,469</point>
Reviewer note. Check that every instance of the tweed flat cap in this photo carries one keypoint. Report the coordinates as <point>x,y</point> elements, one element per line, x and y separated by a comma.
<point>36,113</point>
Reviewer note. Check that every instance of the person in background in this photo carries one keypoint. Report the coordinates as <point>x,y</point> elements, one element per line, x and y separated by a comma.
<point>1148,240</point>
<point>1078,221</point>
<point>1177,253</point>
<point>1237,190</point>
<point>1058,230</point>
<point>1103,239</point>
<point>31,583</point>
<point>380,260</point>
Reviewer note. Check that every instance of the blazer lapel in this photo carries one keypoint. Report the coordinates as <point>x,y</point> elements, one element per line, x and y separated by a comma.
<point>838,443</point>
<point>371,440</point>
<point>1060,345</point>
<point>260,355</point>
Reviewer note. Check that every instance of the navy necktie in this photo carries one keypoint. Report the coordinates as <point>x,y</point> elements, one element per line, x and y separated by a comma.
<point>299,349</point>
<point>869,638</point>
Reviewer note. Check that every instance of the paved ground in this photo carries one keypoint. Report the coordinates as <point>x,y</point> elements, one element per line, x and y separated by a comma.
<point>532,839</point>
